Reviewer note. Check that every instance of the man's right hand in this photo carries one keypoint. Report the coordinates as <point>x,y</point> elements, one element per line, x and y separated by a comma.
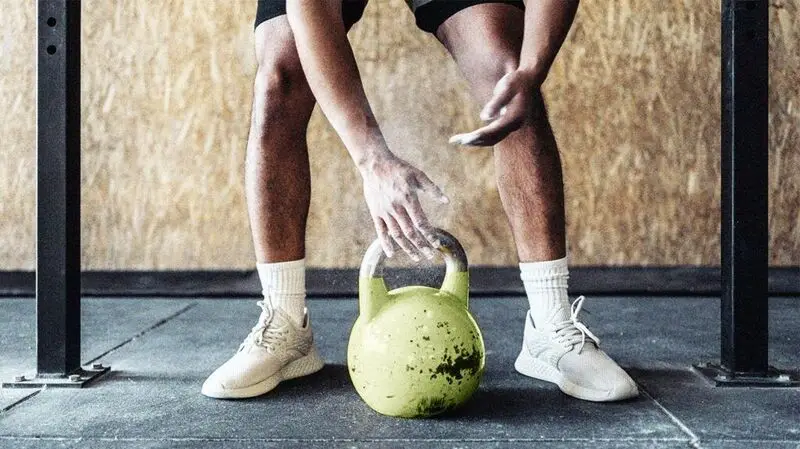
<point>390,188</point>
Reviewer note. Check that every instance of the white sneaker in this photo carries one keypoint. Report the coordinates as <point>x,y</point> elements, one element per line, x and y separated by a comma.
<point>567,355</point>
<point>275,350</point>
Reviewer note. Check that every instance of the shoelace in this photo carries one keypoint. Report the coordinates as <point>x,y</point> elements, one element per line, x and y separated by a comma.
<point>573,331</point>
<point>263,334</point>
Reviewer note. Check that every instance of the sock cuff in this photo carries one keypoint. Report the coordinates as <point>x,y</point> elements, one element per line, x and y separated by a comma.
<point>550,273</point>
<point>546,288</point>
<point>283,277</point>
<point>278,266</point>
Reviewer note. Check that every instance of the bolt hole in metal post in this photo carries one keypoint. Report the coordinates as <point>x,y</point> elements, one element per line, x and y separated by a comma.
<point>51,21</point>
<point>51,49</point>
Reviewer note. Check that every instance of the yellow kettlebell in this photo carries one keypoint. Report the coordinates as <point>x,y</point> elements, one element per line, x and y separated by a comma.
<point>415,351</point>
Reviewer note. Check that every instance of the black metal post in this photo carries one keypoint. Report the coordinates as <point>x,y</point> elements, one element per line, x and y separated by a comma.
<point>745,78</point>
<point>744,234</point>
<point>58,251</point>
<point>58,265</point>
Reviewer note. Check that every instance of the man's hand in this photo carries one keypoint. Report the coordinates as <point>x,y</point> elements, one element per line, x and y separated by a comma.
<point>390,188</point>
<point>509,107</point>
<point>547,23</point>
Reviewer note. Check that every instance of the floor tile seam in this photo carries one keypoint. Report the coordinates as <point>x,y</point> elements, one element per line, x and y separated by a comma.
<point>158,324</point>
<point>694,441</point>
<point>346,440</point>
<point>20,401</point>
<point>750,440</point>
<point>140,334</point>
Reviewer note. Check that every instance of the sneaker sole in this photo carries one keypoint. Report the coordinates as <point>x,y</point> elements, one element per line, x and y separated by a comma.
<point>532,367</point>
<point>308,364</point>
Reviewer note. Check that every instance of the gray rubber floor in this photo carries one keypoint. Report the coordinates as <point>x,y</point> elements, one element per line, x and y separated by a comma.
<point>162,350</point>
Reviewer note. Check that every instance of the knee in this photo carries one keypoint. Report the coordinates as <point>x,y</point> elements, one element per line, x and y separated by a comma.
<point>496,64</point>
<point>280,92</point>
<point>487,66</point>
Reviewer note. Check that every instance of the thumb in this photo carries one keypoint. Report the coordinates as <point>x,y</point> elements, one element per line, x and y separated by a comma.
<point>504,92</point>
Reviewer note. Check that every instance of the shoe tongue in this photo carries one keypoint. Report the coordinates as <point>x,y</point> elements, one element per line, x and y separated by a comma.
<point>559,315</point>
<point>553,321</point>
<point>267,317</point>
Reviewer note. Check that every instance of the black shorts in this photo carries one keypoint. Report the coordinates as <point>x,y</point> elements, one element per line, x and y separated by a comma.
<point>429,14</point>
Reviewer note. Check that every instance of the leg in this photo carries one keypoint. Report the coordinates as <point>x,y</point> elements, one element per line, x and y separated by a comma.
<point>485,41</point>
<point>278,186</point>
<point>277,178</point>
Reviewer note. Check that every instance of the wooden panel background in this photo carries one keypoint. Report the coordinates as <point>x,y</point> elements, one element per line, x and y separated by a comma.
<point>634,99</point>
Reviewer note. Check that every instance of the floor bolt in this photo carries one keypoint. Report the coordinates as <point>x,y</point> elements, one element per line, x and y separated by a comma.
<point>19,378</point>
<point>75,377</point>
<point>97,366</point>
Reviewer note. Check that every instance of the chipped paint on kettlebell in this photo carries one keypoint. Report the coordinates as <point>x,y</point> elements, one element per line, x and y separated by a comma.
<point>419,353</point>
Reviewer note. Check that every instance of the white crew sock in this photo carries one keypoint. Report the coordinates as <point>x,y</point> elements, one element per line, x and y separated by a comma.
<point>284,284</point>
<point>546,287</point>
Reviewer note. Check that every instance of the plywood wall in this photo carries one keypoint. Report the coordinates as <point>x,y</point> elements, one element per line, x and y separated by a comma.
<point>634,99</point>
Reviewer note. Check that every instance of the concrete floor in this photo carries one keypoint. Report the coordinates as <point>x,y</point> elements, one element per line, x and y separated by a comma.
<point>162,350</point>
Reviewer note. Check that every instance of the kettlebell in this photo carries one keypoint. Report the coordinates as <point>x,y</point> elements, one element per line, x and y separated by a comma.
<point>415,351</point>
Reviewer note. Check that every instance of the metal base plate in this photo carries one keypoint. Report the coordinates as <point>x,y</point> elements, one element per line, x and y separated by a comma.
<point>718,376</point>
<point>78,379</point>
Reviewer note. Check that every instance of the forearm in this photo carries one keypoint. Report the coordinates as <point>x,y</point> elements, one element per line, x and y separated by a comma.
<point>547,23</point>
<point>331,70</point>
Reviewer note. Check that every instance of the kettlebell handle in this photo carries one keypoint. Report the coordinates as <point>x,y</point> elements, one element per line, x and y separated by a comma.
<point>456,274</point>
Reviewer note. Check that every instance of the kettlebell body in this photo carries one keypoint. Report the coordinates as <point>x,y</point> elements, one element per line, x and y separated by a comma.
<point>415,351</point>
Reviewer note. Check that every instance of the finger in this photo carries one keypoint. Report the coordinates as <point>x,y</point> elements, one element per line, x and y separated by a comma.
<point>504,92</point>
<point>490,134</point>
<point>383,236</point>
<point>464,138</point>
<point>399,237</point>
<point>411,233</point>
<point>420,220</point>
<point>431,188</point>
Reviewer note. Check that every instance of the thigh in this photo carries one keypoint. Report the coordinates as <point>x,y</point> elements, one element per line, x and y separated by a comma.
<point>352,10</point>
<point>275,45</point>
<point>485,40</point>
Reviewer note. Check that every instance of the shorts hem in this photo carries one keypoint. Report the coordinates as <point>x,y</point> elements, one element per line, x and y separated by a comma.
<point>430,16</point>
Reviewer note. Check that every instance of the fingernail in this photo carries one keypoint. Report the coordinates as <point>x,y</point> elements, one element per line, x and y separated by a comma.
<point>428,253</point>
<point>444,200</point>
<point>415,258</point>
<point>455,139</point>
<point>437,243</point>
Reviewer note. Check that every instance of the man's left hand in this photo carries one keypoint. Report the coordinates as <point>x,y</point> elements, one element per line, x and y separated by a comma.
<point>509,107</point>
